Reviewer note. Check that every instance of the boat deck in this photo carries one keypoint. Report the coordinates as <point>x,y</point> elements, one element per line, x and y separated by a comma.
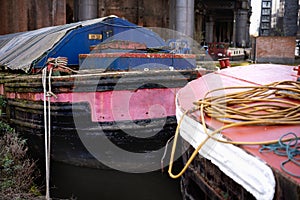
<point>252,75</point>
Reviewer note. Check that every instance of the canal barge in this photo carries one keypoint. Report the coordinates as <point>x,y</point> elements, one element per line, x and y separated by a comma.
<point>234,123</point>
<point>104,89</point>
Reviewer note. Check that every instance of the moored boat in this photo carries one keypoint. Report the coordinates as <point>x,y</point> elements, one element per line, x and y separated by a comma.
<point>240,130</point>
<point>110,86</point>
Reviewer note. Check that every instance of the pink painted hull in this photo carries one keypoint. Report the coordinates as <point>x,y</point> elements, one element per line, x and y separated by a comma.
<point>109,106</point>
<point>135,115</point>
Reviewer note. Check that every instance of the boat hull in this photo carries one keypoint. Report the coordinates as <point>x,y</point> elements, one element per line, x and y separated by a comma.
<point>132,112</point>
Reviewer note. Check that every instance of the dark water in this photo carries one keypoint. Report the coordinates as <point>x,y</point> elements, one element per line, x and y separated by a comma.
<point>88,184</point>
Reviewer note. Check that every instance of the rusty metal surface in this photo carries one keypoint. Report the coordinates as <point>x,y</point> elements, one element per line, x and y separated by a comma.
<point>98,81</point>
<point>121,44</point>
<point>137,55</point>
<point>205,176</point>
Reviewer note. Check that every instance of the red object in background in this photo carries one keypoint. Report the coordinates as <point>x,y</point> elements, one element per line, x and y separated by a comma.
<point>297,69</point>
<point>224,63</point>
<point>216,48</point>
<point>227,62</point>
<point>298,72</point>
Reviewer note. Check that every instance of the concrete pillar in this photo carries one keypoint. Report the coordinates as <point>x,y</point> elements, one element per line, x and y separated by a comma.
<point>185,17</point>
<point>209,30</point>
<point>241,27</point>
<point>86,9</point>
<point>248,35</point>
<point>234,29</point>
<point>229,31</point>
<point>172,14</point>
<point>198,31</point>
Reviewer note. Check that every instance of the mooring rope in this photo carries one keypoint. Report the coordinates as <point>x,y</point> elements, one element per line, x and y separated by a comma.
<point>47,116</point>
<point>46,127</point>
<point>272,104</point>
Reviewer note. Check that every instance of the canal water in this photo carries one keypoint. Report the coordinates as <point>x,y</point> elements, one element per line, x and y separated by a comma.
<point>71,182</point>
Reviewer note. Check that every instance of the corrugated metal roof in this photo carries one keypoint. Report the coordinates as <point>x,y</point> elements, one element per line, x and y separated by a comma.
<point>19,50</point>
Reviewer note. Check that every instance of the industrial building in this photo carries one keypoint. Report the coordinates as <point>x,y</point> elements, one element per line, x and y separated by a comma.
<point>279,18</point>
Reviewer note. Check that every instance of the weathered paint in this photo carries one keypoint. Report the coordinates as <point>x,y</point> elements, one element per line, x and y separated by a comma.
<point>137,55</point>
<point>114,96</point>
<point>121,44</point>
<point>119,105</point>
<point>1,89</point>
<point>134,61</point>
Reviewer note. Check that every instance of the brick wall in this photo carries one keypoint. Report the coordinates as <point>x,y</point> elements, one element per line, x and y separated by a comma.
<point>150,13</point>
<point>275,49</point>
<point>24,15</point>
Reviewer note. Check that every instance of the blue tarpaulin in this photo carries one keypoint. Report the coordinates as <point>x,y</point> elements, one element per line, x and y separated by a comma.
<point>22,51</point>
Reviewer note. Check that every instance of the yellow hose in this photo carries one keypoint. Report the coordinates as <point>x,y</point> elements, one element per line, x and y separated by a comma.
<point>273,104</point>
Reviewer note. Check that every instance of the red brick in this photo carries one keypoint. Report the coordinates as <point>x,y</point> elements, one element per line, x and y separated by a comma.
<point>275,49</point>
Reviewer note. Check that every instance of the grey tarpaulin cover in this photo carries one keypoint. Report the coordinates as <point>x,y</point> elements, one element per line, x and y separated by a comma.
<point>19,50</point>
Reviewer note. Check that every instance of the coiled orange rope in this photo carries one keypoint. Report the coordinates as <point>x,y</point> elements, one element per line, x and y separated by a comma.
<point>277,103</point>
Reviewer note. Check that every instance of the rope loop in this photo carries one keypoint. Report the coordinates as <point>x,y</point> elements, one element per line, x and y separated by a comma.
<point>60,64</point>
<point>57,62</point>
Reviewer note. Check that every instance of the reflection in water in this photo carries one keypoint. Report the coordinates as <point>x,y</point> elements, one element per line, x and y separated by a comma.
<point>88,184</point>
